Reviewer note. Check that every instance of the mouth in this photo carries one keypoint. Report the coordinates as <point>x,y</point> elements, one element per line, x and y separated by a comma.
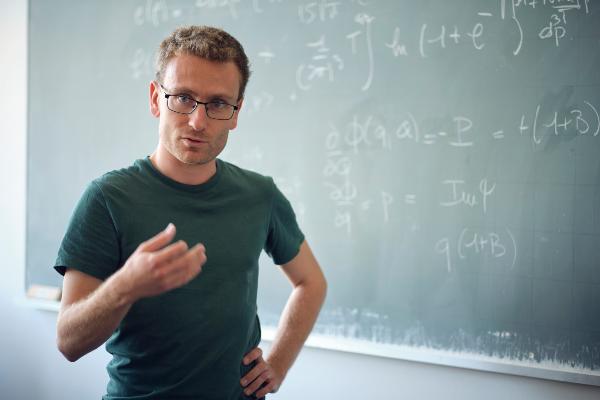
<point>193,142</point>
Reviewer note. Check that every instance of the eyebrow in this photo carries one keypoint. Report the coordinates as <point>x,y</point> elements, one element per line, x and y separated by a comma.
<point>212,96</point>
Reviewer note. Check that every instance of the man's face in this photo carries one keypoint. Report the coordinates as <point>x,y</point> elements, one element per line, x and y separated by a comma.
<point>194,138</point>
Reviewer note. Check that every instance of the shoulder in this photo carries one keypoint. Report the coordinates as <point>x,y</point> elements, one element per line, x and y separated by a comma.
<point>120,179</point>
<point>245,178</point>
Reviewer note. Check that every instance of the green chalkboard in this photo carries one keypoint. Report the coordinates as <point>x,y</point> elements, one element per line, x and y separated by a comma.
<point>443,159</point>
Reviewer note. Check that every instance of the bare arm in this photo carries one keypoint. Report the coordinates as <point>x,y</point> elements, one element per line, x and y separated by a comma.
<point>91,309</point>
<point>297,320</point>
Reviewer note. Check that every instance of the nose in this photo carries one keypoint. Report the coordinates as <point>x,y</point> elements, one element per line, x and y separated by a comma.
<point>198,119</point>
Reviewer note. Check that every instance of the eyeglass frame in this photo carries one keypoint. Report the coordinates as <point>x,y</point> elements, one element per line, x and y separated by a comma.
<point>167,95</point>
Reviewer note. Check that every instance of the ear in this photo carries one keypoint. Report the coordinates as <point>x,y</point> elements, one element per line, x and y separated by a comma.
<point>234,119</point>
<point>154,99</point>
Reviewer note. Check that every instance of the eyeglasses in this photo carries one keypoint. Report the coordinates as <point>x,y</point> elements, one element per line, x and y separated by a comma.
<point>184,104</point>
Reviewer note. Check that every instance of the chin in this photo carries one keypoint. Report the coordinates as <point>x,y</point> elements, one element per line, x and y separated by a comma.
<point>191,159</point>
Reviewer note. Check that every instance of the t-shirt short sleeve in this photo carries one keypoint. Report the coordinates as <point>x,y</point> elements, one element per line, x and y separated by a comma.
<point>284,237</point>
<point>90,244</point>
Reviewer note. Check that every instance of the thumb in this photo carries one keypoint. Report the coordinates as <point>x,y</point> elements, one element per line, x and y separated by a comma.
<point>160,240</point>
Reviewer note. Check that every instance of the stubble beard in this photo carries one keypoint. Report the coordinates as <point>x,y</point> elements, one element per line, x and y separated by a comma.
<point>196,156</point>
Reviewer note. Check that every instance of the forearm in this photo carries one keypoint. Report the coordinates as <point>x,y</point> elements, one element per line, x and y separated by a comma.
<point>296,322</point>
<point>86,324</point>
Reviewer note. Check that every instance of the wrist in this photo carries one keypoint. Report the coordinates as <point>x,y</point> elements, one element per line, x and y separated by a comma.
<point>120,290</point>
<point>279,367</point>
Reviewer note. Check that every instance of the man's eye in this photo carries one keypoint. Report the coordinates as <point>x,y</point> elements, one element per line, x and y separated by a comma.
<point>217,105</point>
<point>184,100</point>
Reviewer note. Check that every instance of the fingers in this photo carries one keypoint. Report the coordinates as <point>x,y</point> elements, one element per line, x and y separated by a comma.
<point>253,355</point>
<point>160,240</point>
<point>253,374</point>
<point>169,253</point>
<point>256,377</point>
<point>262,379</point>
<point>157,266</point>
<point>184,268</point>
<point>253,380</point>
<point>270,387</point>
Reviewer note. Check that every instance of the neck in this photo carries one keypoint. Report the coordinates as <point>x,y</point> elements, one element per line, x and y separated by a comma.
<point>188,174</point>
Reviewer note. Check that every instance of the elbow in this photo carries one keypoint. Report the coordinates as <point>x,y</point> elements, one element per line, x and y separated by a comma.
<point>324,288</point>
<point>65,347</point>
<point>320,288</point>
<point>71,358</point>
<point>66,351</point>
<point>314,288</point>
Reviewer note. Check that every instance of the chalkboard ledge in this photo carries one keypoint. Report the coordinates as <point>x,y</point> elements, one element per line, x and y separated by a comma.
<point>449,358</point>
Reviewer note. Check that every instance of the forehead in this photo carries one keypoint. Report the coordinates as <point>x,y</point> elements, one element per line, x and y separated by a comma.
<point>201,77</point>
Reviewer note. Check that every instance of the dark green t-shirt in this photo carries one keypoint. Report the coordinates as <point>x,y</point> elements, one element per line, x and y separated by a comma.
<point>189,342</point>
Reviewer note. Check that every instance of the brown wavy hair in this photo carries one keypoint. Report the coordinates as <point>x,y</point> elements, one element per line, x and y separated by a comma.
<point>206,42</point>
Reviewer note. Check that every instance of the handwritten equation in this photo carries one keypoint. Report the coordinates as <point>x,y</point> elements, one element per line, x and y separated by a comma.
<point>365,37</point>
<point>366,132</point>
<point>471,243</point>
<point>347,146</point>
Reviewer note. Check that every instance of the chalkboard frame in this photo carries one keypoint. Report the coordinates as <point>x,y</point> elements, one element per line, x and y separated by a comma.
<point>427,356</point>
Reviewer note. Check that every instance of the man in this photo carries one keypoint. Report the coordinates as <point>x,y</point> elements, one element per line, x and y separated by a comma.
<point>177,305</point>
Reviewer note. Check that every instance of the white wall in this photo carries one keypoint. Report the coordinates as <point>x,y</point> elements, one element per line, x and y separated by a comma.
<point>31,367</point>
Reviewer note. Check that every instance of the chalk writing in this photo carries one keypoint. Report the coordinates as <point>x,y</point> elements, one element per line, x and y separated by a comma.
<point>257,5</point>
<point>323,65</point>
<point>259,102</point>
<point>343,192</point>
<point>452,36</point>
<point>322,10</point>
<point>337,171</point>
<point>141,65</point>
<point>398,48</point>
<point>267,55</point>
<point>460,196</point>
<point>154,12</point>
<point>473,242</point>
<point>581,120</point>
<point>386,200</point>
<point>365,21</point>
<point>364,132</point>
<point>555,28</point>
